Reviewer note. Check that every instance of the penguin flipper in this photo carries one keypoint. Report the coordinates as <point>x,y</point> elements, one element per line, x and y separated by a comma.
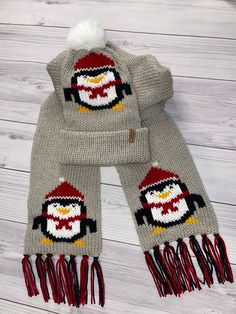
<point>200,201</point>
<point>92,225</point>
<point>67,94</point>
<point>37,221</point>
<point>127,89</point>
<point>194,199</point>
<point>141,213</point>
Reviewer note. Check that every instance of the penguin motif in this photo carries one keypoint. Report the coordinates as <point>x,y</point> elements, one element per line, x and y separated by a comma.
<point>64,217</point>
<point>166,201</point>
<point>96,84</point>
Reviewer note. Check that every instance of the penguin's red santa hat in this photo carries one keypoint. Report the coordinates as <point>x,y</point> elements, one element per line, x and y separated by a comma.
<point>64,190</point>
<point>94,61</point>
<point>156,176</point>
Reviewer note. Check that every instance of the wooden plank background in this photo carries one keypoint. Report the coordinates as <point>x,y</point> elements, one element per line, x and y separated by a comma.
<point>197,40</point>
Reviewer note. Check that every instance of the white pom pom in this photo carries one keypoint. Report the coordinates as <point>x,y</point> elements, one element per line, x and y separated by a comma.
<point>61,179</point>
<point>86,35</point>
<point>155,164</point>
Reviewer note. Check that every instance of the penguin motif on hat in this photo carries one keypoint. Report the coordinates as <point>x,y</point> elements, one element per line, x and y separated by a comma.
<point>64,216</point>
<point>166,200</point>
<point>96,84</point>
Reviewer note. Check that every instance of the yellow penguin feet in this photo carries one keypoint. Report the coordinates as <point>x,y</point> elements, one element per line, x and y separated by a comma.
<point>191,220</point>
<point>83,109</point>
<point>46,240</point>
<point>79,243</point>
<point>158,230</point>
<point>118,107</point>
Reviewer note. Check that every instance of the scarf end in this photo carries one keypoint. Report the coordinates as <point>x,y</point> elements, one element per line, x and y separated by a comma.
<point>174,272</point>
<point>62,278</point>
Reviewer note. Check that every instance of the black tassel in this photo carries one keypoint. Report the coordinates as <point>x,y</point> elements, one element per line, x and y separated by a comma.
<point>96,266</point>
<point>203,263</point>
<point>213,258</point>
<point>220,247</point>
<point>166,275</point>
<point>75,290</point>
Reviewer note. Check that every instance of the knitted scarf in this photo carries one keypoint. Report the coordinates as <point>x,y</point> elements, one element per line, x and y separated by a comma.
<point>108,109</point>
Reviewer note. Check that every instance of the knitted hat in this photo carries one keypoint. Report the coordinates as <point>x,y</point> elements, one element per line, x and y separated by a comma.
<point>107,109</point>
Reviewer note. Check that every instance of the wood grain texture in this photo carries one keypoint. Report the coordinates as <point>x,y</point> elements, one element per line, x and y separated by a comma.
<point>197,41</point>
<point>216,18</point>
<point>13,308</point>
<point>186,56</point>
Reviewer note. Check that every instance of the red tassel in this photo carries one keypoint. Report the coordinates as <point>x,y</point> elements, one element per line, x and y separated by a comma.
<point>206,268</point>
<point>53,279</point>
<point>96,266</point>
<point>63,274</point>
<point>221,251</point>
<point>29,276</point>
<point>157,278</point>
<point>84,280</point>
<point>187,265</point>
<point>175,268</point>
<point>75,293</point>
<point>92,284</point>
<point>42,276</point>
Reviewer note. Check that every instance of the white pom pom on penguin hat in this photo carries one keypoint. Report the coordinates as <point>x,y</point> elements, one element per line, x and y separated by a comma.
<point>86,35</point>
<point>155,164</point>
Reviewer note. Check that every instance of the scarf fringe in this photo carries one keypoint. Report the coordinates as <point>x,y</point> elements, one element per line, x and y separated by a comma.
<point>42,276</point>
<point>62,278</point>
<point>29,276</point>
<point>174,272</point>
<point>84,270</point>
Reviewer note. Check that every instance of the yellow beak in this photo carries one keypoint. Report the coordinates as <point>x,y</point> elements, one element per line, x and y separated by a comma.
<point>96,79</point>
<point>63,211</point>
<point>163,195</point>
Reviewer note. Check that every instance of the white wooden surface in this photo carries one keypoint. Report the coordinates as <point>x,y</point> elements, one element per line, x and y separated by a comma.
<point>197,40</point>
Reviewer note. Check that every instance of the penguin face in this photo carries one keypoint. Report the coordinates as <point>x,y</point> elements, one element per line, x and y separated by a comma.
<point>169,192</point>
<point>63,211</point>
<point>97,80</point>
<point>94,88</point>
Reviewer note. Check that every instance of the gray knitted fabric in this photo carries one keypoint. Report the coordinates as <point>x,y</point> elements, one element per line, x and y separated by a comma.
<point>120,121</point>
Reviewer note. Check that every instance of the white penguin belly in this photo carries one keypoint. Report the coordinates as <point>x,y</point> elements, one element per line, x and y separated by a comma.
<point>99,100</point>
<point>63,232</point>
<point>171,215</point>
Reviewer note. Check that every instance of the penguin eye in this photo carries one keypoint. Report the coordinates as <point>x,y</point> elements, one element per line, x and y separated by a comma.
<point>55,204</point>
<point>152,193</point>
<point>73,205</point>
